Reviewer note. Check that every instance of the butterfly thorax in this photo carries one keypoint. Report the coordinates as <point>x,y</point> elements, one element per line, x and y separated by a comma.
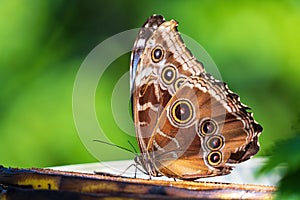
<point>147,164</point>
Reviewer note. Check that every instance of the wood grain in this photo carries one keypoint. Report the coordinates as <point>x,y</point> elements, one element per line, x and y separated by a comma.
<point>42,184</point>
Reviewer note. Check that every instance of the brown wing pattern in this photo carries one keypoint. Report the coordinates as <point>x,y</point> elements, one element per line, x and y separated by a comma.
<point>152,85</point>
<point>188,124</point>
<point>202,128</point>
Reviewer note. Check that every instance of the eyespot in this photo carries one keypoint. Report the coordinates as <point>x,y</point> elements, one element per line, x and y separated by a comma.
<point>157,54</point>
<point>178,82</point>
<point>208,127</point>
<point>215,142</point>
<point>168,75</point>
<point>214,158</point>
<point>182,111</point>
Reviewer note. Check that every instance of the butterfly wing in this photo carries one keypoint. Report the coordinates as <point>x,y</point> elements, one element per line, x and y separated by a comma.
<point>144,34</point>
<point>160,63</point>
<point>188,124</point>
<point>202,129</point>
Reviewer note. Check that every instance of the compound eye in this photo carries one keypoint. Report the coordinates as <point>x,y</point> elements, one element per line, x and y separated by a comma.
<point>168,75</point>
<point>208,127</point>
<point>214,158</point>
<point>215,142</point>
<point>157,54</point>
<point>182,111</point>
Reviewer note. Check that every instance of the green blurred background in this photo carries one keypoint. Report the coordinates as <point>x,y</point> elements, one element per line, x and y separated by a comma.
<point>255,45</point>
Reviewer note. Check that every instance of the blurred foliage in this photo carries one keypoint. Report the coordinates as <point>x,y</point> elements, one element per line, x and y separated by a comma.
<point>285,155</point>
<point>255,45</point>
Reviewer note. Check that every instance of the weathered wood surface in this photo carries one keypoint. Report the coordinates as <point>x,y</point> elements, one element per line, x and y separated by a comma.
<point>53,184</point>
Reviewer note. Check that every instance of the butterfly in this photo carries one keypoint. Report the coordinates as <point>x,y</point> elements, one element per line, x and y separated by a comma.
<point>188,124</point>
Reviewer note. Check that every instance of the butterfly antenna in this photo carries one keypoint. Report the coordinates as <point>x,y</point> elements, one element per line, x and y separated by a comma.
<point>115,145</point>
<point>134,149</point>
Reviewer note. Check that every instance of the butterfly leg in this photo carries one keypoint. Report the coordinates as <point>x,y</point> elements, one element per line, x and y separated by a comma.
<point>118,175</point>
<point>135,172</point>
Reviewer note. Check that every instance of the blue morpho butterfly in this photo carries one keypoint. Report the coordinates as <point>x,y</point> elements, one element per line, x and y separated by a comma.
<point>188,124</point>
